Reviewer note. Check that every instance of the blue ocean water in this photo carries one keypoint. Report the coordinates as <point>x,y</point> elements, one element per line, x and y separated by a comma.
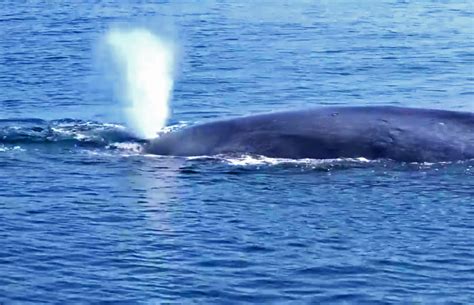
<point>86,218</point>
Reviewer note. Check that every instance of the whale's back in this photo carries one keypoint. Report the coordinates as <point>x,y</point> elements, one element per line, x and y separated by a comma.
<point>405,134</point>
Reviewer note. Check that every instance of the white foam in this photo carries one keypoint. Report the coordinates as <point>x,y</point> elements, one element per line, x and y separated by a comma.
<point>4,148</point>
<point>252,160</point>
<point>172,128</point>
<point>64,130</point>
<point>145,62</point>
<point>126,146</point>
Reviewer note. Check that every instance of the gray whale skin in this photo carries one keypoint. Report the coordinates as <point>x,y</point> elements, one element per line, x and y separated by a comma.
<point>372,132</point>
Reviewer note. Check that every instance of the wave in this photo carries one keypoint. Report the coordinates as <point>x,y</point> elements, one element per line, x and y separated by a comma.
<point>246,161</point>
<point>63,131</point>
<point>257,160</point>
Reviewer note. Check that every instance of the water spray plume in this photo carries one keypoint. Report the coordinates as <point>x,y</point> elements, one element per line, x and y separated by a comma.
<point>145,63</point>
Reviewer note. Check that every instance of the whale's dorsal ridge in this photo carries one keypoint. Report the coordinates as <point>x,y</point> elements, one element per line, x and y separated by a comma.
<point>394,132</point>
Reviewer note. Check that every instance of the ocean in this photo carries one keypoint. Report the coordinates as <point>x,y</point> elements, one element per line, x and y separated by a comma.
<point>87,217</point>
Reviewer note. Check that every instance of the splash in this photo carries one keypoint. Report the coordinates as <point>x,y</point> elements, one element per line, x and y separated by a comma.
<point>251,160</point>
<point>145,64</point>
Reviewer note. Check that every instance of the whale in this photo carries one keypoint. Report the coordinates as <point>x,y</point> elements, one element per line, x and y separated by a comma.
<point>371,132</point>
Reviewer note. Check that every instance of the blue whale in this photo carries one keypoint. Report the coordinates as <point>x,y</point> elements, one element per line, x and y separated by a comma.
<point>373,132</point>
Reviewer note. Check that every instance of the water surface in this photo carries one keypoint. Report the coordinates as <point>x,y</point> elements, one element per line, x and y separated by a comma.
<point>85,217</point>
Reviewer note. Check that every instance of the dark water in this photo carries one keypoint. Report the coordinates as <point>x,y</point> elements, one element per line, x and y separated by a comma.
<point>85,217</point>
